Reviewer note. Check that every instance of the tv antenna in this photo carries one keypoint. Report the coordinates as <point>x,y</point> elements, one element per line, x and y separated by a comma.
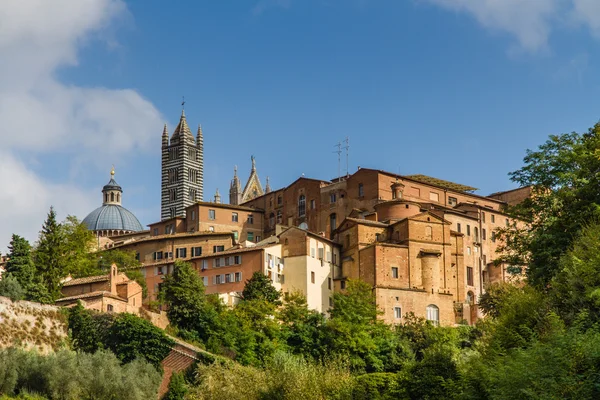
<point>339,153</point>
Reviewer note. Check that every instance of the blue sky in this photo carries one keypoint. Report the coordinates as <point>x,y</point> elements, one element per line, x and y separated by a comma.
<point>456,89</point>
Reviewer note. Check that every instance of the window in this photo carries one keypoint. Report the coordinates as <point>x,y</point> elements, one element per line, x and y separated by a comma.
<point>312,277</point>
<point>470,276</point>
<point>192,194</point>
<point>468,250</point>
<point>250,219</point>
<point>279,200</point>
<point>235,235</point>
<point>458,227</point>
<point>193,215</point>
<point>217,249</point>
<point>234,217</point>
<point>361,190</point>
<point>211,214</point>
<point>330,302</point>
<point>312,252</point>
<point>205,280</point>
<point>493,236</point>
<point>470,298</point>
<point>332,221</point>
<point>173,211</point>
<point>332,198</point>
<point>483,234</point>
<point>109,308</point>
<point>476,233</point>
<point>312,205</point>
<point>434,196</point>
<point>155,231</point>
<point>137,256</point>
<point>250,236</point>
<point>395,272</point>
<point>271,220</point>
<point>227,278</point>
<point>397,312</point>
<point>181,252</point>
<point>168,254</point>
<point>257,239</point>
<point>237,259</point>
<point>218,279</point>
<point>112,197</point>
<point>158,255</point>
<point>343,285</point>
<point>452,201</point>
<point>493,218</point>
<point>433,314</point>
<point>279,217</point>
<point>172,194</point>
<point>329,283</point>
<point>468,230</point>
<point>238,276</point>
<point>204,265</point>
<point>196,251</point>
<point>321,253</point>
<point>301,206</point>
<point>483,217</point>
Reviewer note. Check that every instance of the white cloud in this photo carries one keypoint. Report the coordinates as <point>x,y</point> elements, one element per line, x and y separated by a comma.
<point>40,115</point>
<point>531,22</point>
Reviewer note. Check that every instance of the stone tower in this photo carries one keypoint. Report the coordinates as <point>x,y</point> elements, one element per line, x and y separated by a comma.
<point>182,169</point>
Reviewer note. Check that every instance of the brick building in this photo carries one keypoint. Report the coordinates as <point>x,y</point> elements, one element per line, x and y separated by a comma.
<point>113,292</point>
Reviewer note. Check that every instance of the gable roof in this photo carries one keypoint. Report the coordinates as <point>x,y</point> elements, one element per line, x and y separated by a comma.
<point>86,280</point>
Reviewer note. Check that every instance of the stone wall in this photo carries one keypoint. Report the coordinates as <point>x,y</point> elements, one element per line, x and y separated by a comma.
<point>31,325</point>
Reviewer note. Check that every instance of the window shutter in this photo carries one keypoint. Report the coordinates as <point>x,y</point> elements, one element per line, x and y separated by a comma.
<point>214,280</point>
<point>155,270</point>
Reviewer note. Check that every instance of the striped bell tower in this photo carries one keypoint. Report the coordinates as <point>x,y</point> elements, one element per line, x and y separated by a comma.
<point>182,180</point>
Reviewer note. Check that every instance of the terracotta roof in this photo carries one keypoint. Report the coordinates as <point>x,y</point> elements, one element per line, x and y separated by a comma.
<point>230,206</point>
<point>368,222</point>
<point>176,236</point>
<point>510,190</point>
<point>234,251</point>
<point>86,280</point>
<point>311,234</point>
<point>100,293</point>
<point>442,183</point>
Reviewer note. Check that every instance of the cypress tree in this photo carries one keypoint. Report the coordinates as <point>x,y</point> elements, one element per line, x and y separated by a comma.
<point>49,255</point>
<point>20,266</point>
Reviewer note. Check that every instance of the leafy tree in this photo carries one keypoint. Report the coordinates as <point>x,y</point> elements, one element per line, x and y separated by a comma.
<point>131,337</point>
<point>126,261</point>
<point>77,250</point>
<point>177,388</point>
<point>259,287</point>
<point>302,328</point>
<point>20,262</point>
<point>10,287</point>
<point>564,175</point>
<point>48,255</point>
<point>189,309</point>
<point>88,331</point>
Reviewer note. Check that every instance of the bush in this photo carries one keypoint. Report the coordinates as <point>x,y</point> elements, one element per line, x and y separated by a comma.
<point>68,375</point>
<point>377,386</point>
<point>10,287</point>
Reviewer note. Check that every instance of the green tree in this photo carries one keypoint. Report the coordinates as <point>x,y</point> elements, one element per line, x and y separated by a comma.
<point>131,337</point>
<point>10,287</point>
<point>189,308</point>
<point>178,387</point>
<point>77,250</point>
<point>21,266</point>
<point>48,255</point>
<point>302,328</point>
<point>259,287</point>
<point>564,173</point>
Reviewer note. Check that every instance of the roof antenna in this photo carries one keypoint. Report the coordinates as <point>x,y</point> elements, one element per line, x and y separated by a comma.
<point>339,153</point>
<point>347,147</point>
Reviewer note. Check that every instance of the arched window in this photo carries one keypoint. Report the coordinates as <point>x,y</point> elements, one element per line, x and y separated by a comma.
<point>106,197</point>
<point>279,217</point>
<point>112,197</point>
<point>271,220</point>
<point>433,314</point>
<point>470,298</point>
<point>428,233</point>
<point>118,197</point>
<point>301,205</point>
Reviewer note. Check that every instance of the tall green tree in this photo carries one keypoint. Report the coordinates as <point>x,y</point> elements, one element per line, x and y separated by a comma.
<point>48,255</point>
<point>21,266</point>
<point>259,287</point>
<point>564,174</point>
<point>189,309</point>
<point>77,250</point>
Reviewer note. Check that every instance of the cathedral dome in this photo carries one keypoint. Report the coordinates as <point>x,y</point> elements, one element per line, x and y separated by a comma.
<point>111,218</point>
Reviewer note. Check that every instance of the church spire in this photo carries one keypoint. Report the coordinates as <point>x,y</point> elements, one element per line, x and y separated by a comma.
<point>235,189</point>
<point>217,197</point>
<point>165,136</point>
<point>268,187</point>
<point>199,137</point>
<point>253,164</point>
